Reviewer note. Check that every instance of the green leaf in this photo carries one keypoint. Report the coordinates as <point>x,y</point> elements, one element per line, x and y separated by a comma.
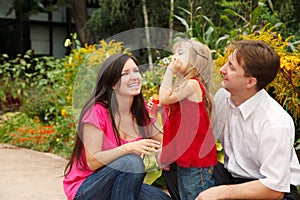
<point>183,22</point>
<point>152,176</point>
<point>225,37</point>
<point>233,13</point>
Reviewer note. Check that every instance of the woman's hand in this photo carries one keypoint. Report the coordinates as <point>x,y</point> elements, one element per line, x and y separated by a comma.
<point>150,106</point>
<point>143,146</point>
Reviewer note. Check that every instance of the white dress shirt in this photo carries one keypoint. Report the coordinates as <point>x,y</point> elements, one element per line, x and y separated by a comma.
<point>257,138</point>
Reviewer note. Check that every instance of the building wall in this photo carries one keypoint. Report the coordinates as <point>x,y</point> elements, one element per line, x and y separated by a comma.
<point>39,31</point>
<point>40,41</point>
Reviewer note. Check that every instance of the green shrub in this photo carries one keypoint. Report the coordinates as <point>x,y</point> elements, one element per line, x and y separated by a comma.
<point>46,88</point>
<point>30,132</point>
<point>36,83</point>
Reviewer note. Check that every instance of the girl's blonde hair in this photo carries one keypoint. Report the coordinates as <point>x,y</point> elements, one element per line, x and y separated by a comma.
<point>201,65</point>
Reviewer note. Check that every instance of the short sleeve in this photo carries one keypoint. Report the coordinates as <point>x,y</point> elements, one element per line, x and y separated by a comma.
<point>96,116</point>
<point>220,111</point>
<point>275,158</point>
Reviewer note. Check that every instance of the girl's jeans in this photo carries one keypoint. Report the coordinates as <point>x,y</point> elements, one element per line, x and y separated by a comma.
<point>192,181</point>
<point>122,179</point>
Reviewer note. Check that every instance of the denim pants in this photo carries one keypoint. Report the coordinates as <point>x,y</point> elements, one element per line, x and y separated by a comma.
<point>192,181</point>
<point>122,179</point>
<point>223,177</point>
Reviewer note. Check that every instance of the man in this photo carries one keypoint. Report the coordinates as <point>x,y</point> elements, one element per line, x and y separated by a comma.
<point>257,134</point>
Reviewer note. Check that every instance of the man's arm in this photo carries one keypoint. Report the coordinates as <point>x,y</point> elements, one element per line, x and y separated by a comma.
<point>249,190</point>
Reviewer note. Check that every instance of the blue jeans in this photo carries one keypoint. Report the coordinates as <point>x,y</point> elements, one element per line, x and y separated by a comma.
<point>122,179</point>
<point>192,181</point>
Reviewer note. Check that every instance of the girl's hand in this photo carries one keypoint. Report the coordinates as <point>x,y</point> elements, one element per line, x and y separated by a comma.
<point>162,166</point>
<point>176,64</point>
<point>143,146</point>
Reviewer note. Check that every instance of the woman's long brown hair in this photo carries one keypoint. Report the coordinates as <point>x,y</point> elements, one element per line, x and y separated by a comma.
<point>108,76</point>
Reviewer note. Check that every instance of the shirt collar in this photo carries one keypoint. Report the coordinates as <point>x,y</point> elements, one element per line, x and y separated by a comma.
<point>249,105</point>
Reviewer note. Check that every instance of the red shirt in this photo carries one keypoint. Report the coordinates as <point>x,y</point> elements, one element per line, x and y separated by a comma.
<point>188,137</point>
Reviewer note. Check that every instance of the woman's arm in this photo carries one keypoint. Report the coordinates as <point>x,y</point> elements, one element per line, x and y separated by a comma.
<point>249,190</point>
<point>156,133</point>
<point>96,158</point>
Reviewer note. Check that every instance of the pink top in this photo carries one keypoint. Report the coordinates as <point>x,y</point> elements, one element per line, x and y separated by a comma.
<point>99,117</point>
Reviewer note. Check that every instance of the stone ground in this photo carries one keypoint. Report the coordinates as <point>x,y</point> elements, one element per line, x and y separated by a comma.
<point>27,174</point>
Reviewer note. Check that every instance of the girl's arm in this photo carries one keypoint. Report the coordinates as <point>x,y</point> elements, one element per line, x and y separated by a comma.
<point>169,96</point>
<point>96,158</point>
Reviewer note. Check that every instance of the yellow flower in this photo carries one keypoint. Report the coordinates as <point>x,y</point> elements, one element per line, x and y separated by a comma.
<point>36,119</point>
<point>289,62</point>
<point>64,113</point>
<point>68,42</point>
<point>57,139</point>
<point>70,60</point>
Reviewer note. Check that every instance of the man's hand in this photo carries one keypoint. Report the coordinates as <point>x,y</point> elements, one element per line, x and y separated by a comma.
<point>212,193</point>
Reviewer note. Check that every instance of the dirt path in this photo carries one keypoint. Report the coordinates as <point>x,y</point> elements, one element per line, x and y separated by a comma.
<point>27,174</point>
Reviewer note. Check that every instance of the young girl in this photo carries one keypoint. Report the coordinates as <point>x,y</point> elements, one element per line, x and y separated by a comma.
<point>114,130</point>
<point>188,139</point>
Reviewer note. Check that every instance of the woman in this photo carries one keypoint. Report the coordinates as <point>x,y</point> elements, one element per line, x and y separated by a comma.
<point>114,131</point>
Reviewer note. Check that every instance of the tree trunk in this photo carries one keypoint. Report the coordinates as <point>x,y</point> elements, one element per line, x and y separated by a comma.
<point>22,33</point>
<point>171,23</point>
<point>147,34</point>
<point>80,15</point>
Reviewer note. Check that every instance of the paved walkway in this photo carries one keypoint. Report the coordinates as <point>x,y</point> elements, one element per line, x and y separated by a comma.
<point>28,174</point>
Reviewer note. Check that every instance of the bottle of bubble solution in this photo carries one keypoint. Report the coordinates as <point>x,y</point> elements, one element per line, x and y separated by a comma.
<point>154,110</point>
